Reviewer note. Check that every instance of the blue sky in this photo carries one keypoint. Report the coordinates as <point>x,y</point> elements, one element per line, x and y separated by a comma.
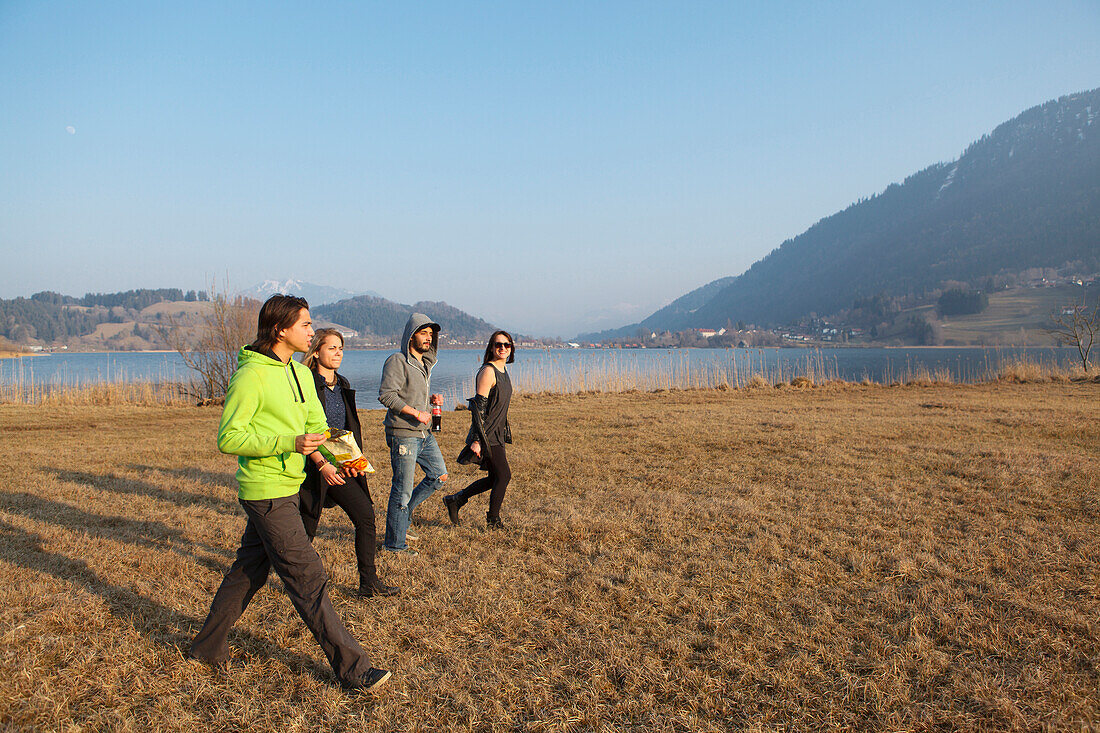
<point>551,167</point>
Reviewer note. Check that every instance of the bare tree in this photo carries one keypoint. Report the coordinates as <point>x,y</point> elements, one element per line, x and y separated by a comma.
<point>210,348</point>
<point>1077,325</point>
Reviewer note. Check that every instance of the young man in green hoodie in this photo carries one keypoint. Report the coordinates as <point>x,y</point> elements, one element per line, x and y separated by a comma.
<point>272,423</point>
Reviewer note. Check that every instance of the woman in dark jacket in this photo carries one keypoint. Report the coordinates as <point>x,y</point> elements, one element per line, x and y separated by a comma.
<point>325,485</point>
<point>489,431</point>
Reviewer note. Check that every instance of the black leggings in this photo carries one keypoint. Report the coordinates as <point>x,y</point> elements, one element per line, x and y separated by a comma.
<point>354,498</point>
<point>497,481</point>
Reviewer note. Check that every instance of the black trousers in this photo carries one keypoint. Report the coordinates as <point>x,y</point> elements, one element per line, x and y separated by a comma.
<point>496,483</point>
<point>353,497</point>
<point>275,537</point>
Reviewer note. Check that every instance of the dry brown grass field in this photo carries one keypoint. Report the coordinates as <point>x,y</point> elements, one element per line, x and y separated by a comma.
<point>840,557</point>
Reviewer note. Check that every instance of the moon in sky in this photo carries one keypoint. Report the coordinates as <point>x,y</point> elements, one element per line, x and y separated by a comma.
<point>71,130</point>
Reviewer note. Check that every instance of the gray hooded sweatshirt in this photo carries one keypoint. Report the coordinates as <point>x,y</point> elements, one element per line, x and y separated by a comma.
<point>405,381</point>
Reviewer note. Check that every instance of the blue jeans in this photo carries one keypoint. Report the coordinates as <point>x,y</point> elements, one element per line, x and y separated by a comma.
<point>405,455</point>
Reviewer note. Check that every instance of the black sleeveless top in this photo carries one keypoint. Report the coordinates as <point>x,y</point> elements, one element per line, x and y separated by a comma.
<point>496,413</point>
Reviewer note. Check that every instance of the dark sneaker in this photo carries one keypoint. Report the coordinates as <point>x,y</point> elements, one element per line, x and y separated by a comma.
<point>493,522</point>
<point>452,508</point>
<point>369,683</point>
<point>407,552</point>
<point>378,589</point>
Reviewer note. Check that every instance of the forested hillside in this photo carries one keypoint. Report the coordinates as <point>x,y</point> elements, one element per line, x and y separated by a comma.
<point>381,317</point>
<point>128,320</point>
<point>1025,196</point>
<point>50,317</point>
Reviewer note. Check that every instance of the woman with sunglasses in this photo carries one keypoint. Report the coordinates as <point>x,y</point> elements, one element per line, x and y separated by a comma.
<point>489,431</point>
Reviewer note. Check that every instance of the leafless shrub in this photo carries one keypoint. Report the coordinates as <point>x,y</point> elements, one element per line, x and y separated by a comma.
<point>1077,326</point>
<point>210,348</point>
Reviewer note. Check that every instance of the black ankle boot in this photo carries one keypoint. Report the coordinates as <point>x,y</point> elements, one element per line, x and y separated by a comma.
<point>493,522</point>
<point>452,503</point>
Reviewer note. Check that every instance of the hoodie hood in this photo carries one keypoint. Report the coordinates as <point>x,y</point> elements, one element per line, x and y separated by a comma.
<point>416,322</point>
<point>248,356</point>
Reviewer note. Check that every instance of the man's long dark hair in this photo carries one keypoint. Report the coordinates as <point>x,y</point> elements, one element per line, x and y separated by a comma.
<point>489,348</point>
<point>277,313</point>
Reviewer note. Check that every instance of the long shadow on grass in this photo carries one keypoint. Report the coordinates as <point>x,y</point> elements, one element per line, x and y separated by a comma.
<point>118,485</point>
<point>160,624</point>
<point>226,480</point>
<point>144,533</point>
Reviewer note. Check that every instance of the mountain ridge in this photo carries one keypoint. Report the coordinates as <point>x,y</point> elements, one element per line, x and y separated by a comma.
<point>315,294</point>
<point>135,319</point>
<point>380,317</point>
<point>1025,195</point>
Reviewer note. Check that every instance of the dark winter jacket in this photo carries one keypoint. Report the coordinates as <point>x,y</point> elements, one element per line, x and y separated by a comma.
<point>313,494</point>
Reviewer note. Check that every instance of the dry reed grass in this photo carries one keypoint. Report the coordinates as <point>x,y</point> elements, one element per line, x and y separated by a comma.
<point>139,394</point>
<point>1023,371</point>
<point>842,557</point>
<point>611,371</point>
<point>21,387</point>
<point>599,373</point>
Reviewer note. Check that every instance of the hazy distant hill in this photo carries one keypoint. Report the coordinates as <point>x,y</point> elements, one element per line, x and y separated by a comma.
<point>677,310</point>
<point>381,317</point>
<point>134,319</point>
<point>315,294</point>
<point>1026,195</point>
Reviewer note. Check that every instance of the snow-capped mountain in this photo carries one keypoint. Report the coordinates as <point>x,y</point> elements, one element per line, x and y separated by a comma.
<point>315,294</point>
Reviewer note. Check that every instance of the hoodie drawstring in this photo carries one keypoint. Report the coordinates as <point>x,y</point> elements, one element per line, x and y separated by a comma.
<point>301,396</point>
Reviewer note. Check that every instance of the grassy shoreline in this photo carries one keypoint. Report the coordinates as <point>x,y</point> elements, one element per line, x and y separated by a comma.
<point>597,376</point>
<point>914,558</point>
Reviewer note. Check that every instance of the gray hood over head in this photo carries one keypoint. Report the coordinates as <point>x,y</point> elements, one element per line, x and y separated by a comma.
<point>416,322</point>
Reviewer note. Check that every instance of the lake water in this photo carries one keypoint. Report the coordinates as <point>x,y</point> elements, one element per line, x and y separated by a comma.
<point>568,370</point>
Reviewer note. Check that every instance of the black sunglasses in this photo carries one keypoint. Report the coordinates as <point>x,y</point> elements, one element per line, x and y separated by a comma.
<point>501,345</point>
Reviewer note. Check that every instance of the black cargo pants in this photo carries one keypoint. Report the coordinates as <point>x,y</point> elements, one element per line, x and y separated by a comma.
<point>275,537</point>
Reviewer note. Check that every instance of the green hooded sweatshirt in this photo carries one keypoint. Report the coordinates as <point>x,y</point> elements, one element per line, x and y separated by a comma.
<point>266,408</point>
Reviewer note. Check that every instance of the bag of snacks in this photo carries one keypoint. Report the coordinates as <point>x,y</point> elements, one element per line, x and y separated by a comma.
<point>345,453</point>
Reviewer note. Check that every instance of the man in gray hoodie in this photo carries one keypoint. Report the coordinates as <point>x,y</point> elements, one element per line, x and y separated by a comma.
<point>406,392</point>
